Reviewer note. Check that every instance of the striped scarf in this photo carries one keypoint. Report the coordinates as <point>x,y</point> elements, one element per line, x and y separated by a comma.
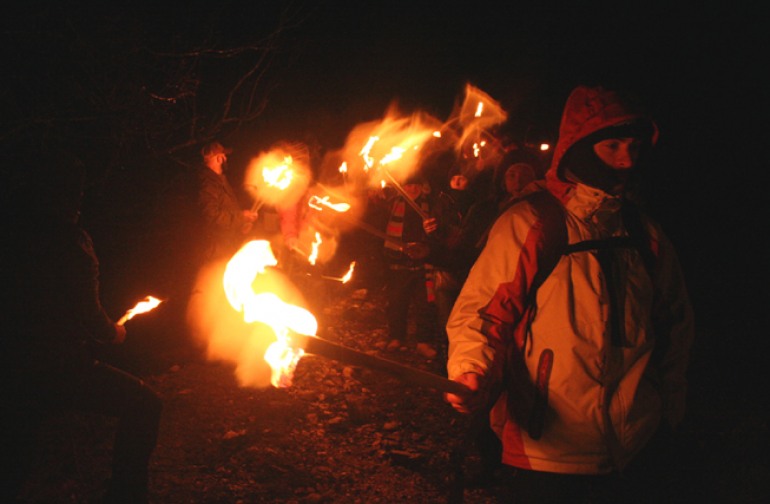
<point>395,229</point>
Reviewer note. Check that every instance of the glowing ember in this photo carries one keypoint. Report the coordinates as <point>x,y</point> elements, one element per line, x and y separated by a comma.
<point>267,308</point>
<point>344,167</point>
<point>479,109</point>
<point>477,146</point>
<point>149,303</point>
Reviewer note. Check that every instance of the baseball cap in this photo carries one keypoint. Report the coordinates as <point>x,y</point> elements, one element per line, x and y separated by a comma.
<point>214,148</point>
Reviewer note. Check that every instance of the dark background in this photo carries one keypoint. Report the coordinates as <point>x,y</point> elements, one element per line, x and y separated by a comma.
<point>335,64</point>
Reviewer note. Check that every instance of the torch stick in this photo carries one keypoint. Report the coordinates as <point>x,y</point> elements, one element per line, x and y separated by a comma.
<point>379,234</point>
<point>409,200</point>
<point>330,350</point>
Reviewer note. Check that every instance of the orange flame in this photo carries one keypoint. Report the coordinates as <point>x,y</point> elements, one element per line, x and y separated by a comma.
<point>347,276</point>
<point>147,304</point>
<point>364,153</point>
<point>314,249</point>
<point>479,109</point>
<point>318,203</point>
<point>478,114</point>
<point>266,307</point>
<point>279,177</point>
<point>397,142</point>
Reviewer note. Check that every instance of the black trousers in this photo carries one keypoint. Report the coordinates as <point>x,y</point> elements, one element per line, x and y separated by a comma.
<point>405,289</point>
<point>101,389</point>
<point>655,476</point>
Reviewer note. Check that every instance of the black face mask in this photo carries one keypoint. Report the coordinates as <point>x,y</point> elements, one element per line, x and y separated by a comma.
<point>582,164</point>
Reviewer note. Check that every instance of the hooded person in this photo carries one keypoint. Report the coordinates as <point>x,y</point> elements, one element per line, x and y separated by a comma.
<point>599,348</point>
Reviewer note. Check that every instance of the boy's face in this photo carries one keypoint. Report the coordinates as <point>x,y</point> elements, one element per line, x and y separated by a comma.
<point>618,153</point>
<point>413,190</point>
<point>517,177</point>
<point>458,182</point>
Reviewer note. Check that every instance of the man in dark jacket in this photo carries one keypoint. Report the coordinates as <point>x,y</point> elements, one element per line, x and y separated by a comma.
<point>225,223</point>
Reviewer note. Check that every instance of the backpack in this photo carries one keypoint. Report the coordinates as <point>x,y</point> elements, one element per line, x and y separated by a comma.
<point>530,413</point>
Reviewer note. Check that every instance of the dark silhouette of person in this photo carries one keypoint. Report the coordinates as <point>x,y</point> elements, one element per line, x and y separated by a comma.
<point>53,326</point>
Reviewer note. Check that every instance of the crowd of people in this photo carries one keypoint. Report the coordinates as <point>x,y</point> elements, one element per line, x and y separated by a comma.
<point>559,303</point>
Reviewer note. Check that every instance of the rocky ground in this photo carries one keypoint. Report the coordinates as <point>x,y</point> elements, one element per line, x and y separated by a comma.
<point>345,434</point>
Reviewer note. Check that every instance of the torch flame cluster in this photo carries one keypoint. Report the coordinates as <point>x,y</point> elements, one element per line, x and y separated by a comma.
<point>375,154</point>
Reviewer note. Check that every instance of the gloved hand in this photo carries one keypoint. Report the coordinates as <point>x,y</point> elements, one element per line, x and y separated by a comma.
<point>416,250</point>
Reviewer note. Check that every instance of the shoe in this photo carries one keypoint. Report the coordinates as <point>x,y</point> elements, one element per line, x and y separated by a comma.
<point>426,350</point>
<point>393,345</point>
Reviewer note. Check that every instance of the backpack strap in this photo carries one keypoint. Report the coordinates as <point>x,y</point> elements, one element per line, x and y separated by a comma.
<point>632,220</point>
<point>552,218</point>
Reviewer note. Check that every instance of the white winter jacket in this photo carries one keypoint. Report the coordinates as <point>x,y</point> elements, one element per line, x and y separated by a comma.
<point>576,395</point>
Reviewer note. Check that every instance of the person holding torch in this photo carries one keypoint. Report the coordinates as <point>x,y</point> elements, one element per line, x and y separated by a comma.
<point>226,224</point>
<point>53,323</point>
<point>575,322</point>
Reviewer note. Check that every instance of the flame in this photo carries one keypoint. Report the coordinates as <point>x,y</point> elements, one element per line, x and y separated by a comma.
<point>280,176</point>
<point>396,141</point>
<point>147,304</point>
<point>267,308</point>
<point>477,116</point>
<point>347,276</point>
<point>314,249</point>
<point>344,167</point>
<point>318,203</point>
<point>364,152</point>
<point>395,154</point>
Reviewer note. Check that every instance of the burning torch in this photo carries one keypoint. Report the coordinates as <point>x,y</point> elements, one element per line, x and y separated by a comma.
<point>147,304</point>
<point>295,327</point>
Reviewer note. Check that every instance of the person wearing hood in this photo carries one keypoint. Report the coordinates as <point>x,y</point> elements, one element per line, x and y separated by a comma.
<point>583,374</point>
